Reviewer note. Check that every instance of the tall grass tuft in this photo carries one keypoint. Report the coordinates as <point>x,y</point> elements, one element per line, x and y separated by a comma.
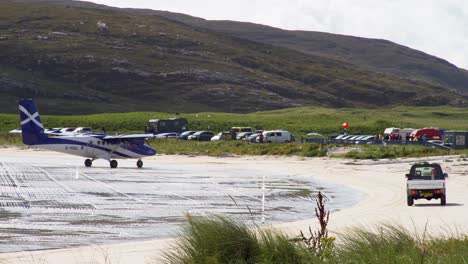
<point>390,244</point>
<point>276,247</point>
<point>214,240</point>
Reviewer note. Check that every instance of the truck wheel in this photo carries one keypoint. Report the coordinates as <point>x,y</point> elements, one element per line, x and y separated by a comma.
<point>410,201</point>
<point>442,200</point>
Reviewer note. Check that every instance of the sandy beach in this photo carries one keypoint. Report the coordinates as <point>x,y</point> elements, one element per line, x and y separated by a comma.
<point>383,183</point>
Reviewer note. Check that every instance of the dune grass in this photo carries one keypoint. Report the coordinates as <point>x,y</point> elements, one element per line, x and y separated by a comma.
<point>397,151</point>
<point>216,239</point>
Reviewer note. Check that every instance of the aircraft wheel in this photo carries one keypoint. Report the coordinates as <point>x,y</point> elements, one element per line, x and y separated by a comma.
<point>113,164</point>
<point>139,163</point>
<point>88,163</point>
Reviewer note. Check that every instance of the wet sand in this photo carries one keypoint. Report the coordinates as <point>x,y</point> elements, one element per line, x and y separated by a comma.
<point>382,182</point>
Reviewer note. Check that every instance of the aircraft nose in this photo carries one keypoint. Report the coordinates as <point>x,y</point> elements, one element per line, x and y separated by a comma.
<point>151,151</point>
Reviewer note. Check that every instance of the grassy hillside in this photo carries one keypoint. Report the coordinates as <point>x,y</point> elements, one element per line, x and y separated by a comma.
<point>86,59</point>
<point>370,54</point>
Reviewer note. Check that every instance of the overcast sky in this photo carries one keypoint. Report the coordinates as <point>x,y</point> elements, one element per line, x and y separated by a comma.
<point>437,27</point>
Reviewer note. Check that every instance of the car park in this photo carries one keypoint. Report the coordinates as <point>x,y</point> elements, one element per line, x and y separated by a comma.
<point>426,181</point>
<point>201,136</point>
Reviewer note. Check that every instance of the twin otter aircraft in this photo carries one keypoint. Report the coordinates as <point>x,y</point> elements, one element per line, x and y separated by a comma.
<point>90,146</point>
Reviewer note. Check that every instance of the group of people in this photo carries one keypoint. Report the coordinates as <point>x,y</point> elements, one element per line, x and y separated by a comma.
<point>422,138</point>
<point>391,137</point>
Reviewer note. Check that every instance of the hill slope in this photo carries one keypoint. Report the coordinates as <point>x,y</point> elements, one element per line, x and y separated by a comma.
<point>370,54</point>
<point>86,59</point>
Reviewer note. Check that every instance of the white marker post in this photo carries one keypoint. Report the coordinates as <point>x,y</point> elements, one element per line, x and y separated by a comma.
<point>263,199</point>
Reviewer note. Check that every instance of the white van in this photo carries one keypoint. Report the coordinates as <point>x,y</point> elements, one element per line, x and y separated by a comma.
<point>403,132</point>
<point>276,136</point>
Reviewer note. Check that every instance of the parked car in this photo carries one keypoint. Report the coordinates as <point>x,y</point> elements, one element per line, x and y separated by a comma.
<point>167,135</point>
<point>252,137</point>
<point>243,135</point>
<point>241,129</point>
<point>201,136</point>
<point>426,181</point>
<point>437,142</point>
<point>83,130</point>
<point>186,134</point>
<point>276,136</point>
<point>70,131</point>
<point>225,135</point>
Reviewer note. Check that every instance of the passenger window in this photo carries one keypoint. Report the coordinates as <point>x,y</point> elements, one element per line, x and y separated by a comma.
<point>278,134</point>
<point>99,142</point>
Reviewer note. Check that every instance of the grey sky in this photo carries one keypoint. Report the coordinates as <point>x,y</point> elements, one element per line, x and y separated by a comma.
<point>437,27</point>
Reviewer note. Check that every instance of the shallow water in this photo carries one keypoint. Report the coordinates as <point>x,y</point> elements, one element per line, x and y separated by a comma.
<point>50,202</point>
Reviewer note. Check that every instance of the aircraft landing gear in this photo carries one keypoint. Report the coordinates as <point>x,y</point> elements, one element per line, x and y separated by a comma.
<point>113,164</point>
<point>139,163</point>
<point>88,162</point>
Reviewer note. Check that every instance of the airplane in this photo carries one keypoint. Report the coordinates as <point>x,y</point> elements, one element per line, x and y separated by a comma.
<point>90,146</point>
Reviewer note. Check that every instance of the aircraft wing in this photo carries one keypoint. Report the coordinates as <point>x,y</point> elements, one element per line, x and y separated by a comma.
<point>132,136</point>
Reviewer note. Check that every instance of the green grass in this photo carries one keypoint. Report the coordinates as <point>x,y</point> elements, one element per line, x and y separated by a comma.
<point>218,239</point>
<point>299,121</point>
<point>174,146</point>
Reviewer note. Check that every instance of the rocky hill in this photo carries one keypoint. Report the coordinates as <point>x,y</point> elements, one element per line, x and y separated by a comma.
<point>376,55</point>
<point>83,58</point>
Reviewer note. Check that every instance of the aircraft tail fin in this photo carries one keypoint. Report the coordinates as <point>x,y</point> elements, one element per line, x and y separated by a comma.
<point>31,125</point>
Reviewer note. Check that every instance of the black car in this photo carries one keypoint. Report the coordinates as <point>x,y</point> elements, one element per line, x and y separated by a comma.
<point>201,136</point>
<point>186,134</point>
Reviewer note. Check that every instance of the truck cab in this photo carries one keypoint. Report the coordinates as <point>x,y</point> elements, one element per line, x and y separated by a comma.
<point>426,181</point>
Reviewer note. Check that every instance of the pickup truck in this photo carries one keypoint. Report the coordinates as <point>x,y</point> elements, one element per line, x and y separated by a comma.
<point>426,181</point>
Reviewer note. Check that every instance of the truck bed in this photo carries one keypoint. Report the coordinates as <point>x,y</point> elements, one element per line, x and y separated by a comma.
<point>425,184</point>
